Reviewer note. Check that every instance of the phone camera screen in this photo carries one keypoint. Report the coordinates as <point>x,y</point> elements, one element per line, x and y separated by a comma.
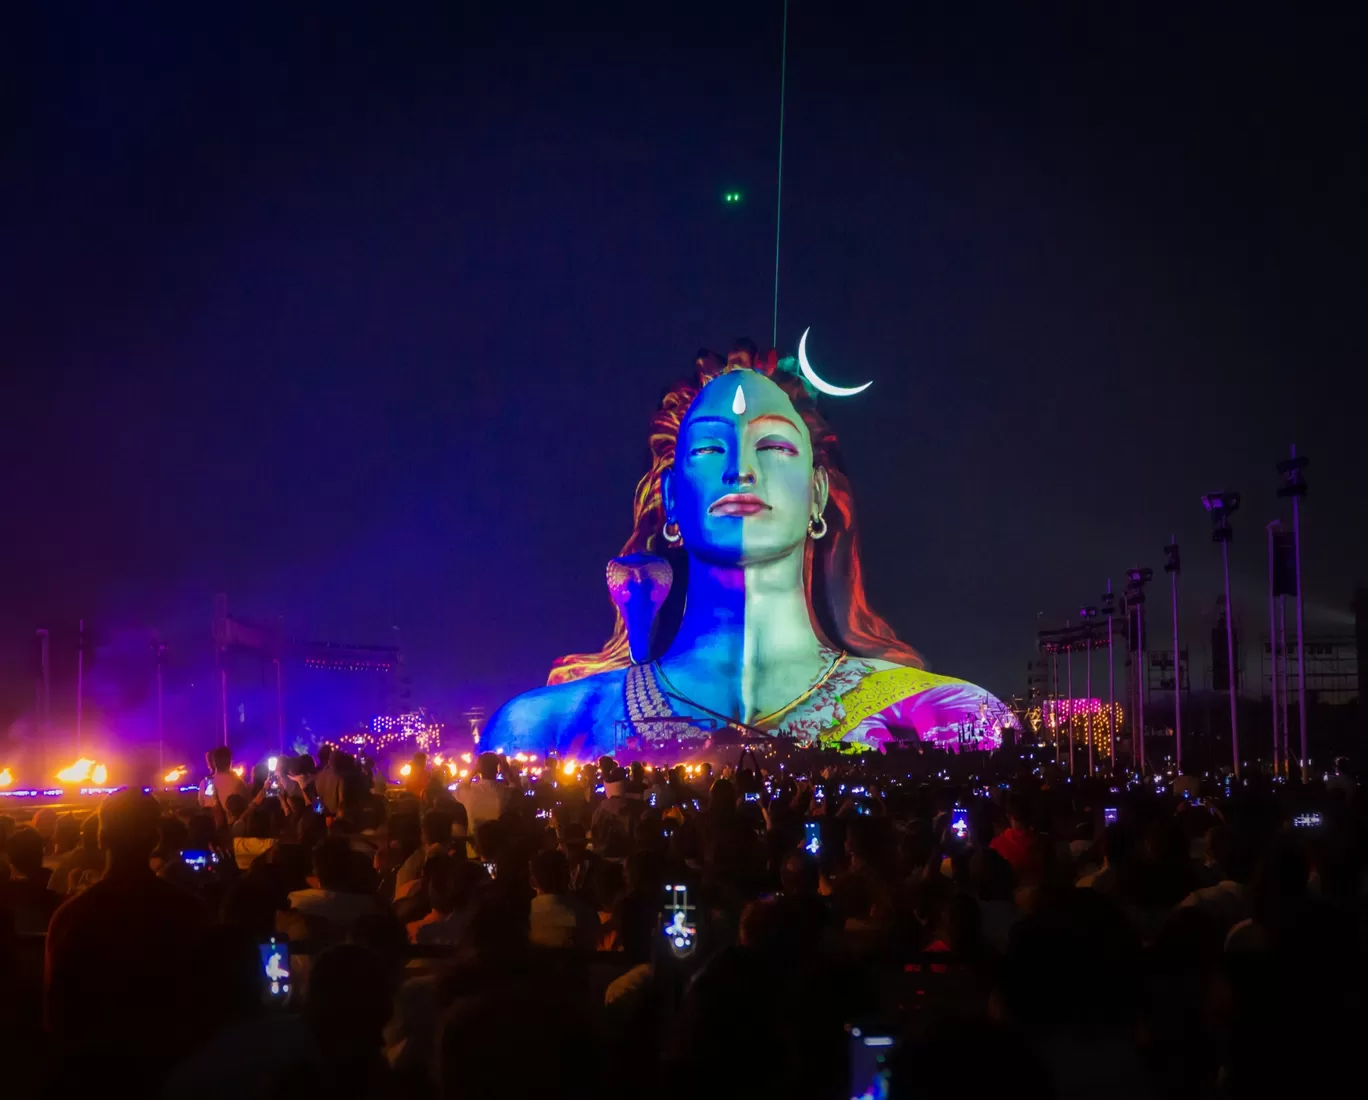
<point>678,927</point>
<point>275,969</point>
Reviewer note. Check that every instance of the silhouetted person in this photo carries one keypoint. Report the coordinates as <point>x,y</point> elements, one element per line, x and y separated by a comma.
<point>119,959</point>
<point>25,897</point>
<point>66,876</point>
<point>349,999</point>
<point>328,782</point>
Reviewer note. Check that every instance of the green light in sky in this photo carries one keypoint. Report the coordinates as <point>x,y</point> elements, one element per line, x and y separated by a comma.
<point>731,197</point>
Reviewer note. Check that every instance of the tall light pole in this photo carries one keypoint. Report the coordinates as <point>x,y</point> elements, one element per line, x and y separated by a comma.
<point>1089,721</point>
<point>1136,579</point>
<point>1088,616</point>
<point>1071,704</point>
<point>1273,638</point>
<point>44,697</point>
<point>80,678</point>
<point>1173,566</point>
<point>1296,489</point>
<point>1054,697</point>
<point>1222,506</point>
<point>44,681</point>
<point>280,711</point>
<point>1282,643</point>
<point>159,650</point>
<point>1108,609</point>
<point>223,701</point>
<point>1139,667</point>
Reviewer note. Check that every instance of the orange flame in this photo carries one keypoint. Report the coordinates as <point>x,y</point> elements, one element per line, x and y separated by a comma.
<point>78,772</point>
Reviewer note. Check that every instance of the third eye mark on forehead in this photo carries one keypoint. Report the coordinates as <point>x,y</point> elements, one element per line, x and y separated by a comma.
<point>767,418</point>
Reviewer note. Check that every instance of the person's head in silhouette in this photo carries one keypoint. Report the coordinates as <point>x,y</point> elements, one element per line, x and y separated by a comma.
<point>130,824</point>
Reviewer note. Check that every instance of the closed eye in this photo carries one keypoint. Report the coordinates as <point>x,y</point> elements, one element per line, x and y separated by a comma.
<point>706,449</point>
<point>780,445</point>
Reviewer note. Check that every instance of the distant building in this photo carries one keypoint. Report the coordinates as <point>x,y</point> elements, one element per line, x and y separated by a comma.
<point>277,690</point>
<point>1332,669</point>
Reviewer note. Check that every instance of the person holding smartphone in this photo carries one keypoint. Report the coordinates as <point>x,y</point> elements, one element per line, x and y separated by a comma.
<point>223,779</point>
<point>659,793</point>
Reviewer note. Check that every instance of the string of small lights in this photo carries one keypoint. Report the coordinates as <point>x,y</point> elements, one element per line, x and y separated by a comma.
<point>386,731</point>
<point>342,664</point>
<point>1089,717</point>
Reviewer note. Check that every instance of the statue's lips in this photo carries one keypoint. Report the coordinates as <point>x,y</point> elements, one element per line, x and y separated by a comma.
<point>738,504</point>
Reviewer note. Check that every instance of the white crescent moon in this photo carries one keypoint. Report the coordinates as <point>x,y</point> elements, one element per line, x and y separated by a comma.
<point>811,375</point>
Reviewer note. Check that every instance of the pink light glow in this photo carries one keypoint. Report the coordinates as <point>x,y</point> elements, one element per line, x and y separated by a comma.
<point>1063,708</point>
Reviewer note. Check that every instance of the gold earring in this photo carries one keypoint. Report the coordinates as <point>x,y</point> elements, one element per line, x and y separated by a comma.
<point>814,530</point>
<point>677,536</point>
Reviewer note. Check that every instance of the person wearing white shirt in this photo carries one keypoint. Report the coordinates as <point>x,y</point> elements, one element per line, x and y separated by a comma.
<point>223,778</point>
<point>558,918</point>
<point>485,797</point>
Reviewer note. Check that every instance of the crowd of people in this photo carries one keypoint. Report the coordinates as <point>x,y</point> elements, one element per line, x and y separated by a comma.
<point>312,929</point>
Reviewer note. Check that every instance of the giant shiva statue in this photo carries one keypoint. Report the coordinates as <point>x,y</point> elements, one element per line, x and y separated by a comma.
<point>741,604</point>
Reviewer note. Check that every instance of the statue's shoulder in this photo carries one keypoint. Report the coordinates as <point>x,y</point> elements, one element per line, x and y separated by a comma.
<point>889,676</point>
<point>547,717</point>
<point>937,707</point>
<point>886,684</point>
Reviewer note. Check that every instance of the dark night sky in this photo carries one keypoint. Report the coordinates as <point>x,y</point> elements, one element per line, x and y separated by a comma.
<point>358,316</point>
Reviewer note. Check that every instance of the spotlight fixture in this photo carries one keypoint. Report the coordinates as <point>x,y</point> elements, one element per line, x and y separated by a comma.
<point>1223,502</point>
<point>1291,469</point>
<point>1221,506</point>
<point>1135,590</point>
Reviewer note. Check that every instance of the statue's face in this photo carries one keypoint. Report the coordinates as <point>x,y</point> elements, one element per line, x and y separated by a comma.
<point>743,487</point>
